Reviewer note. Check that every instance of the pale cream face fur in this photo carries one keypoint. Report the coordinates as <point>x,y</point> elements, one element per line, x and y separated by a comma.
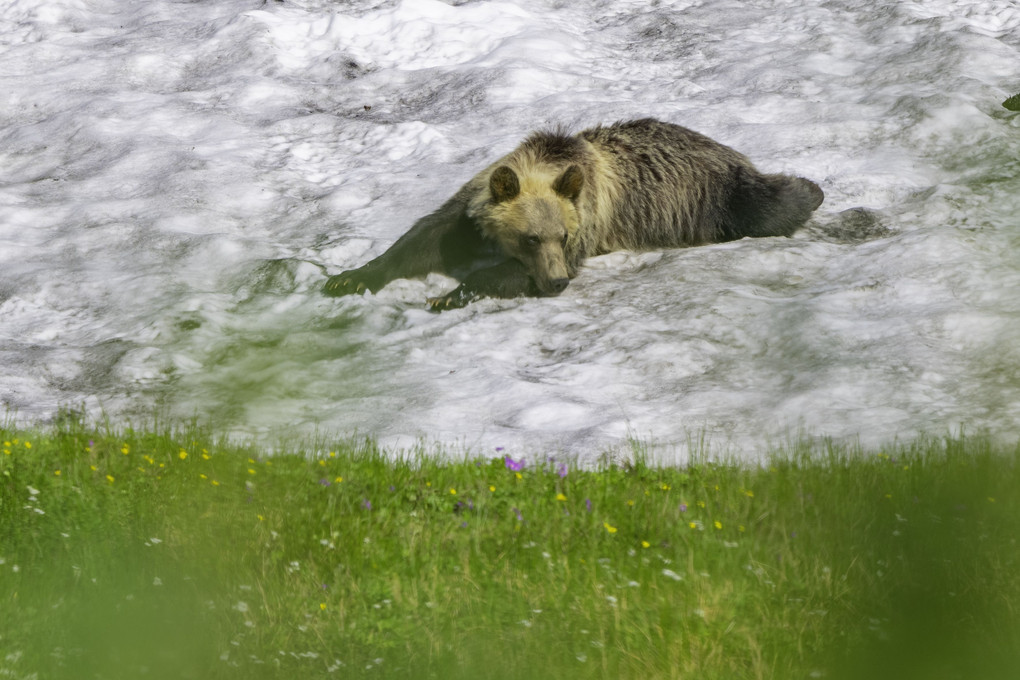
<point>535,227</point>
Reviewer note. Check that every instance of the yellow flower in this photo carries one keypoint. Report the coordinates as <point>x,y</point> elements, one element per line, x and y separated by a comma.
<point>322,463</point>
<point>215,483</point>
<point>56,472</point>
<point>183,454</point>
<point>125,449</point>
<point>251,471</point>
<point>693,525</point>
<point>338,480</point>
<point>519,475</point>
<point>332,454</point>
<point>322,606</point>
<point>202,477</point>
<point>646,544</point>
<point>109,478</point>
<point>492,488</point>
<point>630,502</point>
<point>28,445</point>
<point>665,487</point>
<point>609,528</point>
<point>748,493</point>
<point>261,518</point>
<point>94,468</point>
<point>560,497</point>
<point>205,454</point>
<point>453,492</point>
<point>717,524</point>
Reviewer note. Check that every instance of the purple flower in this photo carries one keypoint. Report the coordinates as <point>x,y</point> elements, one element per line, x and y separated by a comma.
<point>514,465</point>
<point>367,504</point>
<point>562,470</point>
<point>683,507</point>
<point>520,517</point>
<point>587,504</point>
<point>324,482</point>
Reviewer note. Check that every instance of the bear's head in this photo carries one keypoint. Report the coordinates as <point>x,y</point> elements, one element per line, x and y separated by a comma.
<point>533,216</point>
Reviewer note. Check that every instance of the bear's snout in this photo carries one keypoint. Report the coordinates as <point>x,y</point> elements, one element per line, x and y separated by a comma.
<point>557,286</point>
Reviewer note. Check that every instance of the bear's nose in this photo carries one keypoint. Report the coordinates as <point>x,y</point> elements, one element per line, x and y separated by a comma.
<point>558,285</point>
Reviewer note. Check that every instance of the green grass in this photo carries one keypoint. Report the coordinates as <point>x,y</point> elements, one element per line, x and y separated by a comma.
<point>173,554</point>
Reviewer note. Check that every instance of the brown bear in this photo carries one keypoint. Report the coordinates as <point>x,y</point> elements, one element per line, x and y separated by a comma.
<point>524,225</point>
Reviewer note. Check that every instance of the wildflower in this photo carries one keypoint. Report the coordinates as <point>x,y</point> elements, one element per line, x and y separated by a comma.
<point>630,502</point>
<point>56,472</point>
<point>109,478</point>
<point>492,488</point>
<point>251,471</point>
<point>453,492</point>
<point>587,504</point>
<point>28,445</point>
<point>125,449</point>
<point>182,454</point>
<point>205,454</point>
<point>520,517</point>
<point>367,504</point>
<point>514,465</point>
<point>324,482</point>
<point>611,529</point>
<point>201,476</point>
<point>748,493</point>
<point>683,507</point>
<point>560,497</point>
<point>669,573</point>
<point>562,470</point>
<point>646,544</point>
<point>664,487</point>
<point>338,480</point>
<point>322,463</point>
<point>332,454</point>
<point>322,606</point>
<point>519,475</point>
<point>717,524</point>
<point>215,483</point>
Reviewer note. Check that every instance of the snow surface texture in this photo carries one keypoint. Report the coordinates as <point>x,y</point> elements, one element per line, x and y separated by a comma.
<point>177,179</point>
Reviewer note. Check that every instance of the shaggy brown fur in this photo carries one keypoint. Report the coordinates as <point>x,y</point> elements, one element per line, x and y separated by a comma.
<point>525,224</point>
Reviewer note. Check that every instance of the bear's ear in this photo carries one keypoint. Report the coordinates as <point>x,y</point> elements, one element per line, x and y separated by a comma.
<point>504,184</point>
<point>569,184</point>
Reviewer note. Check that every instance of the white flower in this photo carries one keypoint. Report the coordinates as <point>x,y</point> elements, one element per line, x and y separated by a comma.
<point>669,573</point>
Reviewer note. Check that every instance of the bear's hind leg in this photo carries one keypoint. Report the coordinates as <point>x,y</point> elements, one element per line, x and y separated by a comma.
<point>770,205</point>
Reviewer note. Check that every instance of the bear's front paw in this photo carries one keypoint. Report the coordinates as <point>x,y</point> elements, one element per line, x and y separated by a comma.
<point>457,298</point>
<point>347,283</point>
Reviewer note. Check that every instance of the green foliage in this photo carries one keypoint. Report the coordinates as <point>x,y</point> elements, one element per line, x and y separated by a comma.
<point>178,555</point>
<point>1013,103</point>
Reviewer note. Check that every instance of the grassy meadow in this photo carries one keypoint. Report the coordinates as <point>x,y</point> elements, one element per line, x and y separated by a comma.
<point>171,553</point>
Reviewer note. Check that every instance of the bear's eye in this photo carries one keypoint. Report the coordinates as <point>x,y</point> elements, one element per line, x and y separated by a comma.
<point>531,241</point>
